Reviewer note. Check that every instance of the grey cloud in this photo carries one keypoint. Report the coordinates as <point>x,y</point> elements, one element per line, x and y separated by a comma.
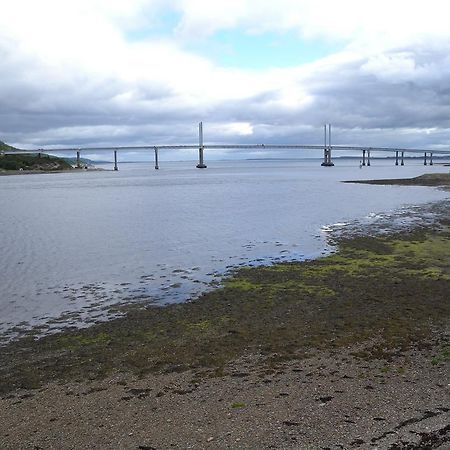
<point>358,99</point>
<point>367,107</point>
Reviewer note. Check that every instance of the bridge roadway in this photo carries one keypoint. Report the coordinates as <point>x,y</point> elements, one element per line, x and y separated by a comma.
<point>366,151</point>
<point>230,146</point>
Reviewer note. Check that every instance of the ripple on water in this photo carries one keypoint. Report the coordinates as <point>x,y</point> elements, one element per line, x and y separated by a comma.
<point>61,264</point>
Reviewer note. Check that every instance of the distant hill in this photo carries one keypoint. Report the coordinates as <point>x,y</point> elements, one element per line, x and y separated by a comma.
<point>30,161</point>
<point>6,148</point>
<point>36,161</point>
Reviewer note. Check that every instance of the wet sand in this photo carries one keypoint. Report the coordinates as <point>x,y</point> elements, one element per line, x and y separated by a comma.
<point>431,179</point>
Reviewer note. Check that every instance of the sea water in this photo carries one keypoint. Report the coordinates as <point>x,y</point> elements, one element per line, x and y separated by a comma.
<point>74,244</point>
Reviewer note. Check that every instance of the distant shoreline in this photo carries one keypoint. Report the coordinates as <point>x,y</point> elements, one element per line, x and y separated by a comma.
<point>25,164</point>
<point>37,172</point>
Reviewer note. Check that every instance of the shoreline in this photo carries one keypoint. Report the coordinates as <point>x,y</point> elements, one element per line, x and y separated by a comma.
<point>434,179</point>
<point>36,172</point>
<point>252,365</point>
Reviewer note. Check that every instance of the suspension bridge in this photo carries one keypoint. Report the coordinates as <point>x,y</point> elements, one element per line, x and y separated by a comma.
<point>327,149</point>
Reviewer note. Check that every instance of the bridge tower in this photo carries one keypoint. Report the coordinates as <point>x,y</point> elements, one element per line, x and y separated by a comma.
<point>201,164</point>
<point>327,148</point>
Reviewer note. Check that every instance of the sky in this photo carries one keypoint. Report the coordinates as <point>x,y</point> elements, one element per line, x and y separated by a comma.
<point>78,73</point>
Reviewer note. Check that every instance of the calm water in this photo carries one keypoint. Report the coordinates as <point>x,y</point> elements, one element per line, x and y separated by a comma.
<point>74,244</point>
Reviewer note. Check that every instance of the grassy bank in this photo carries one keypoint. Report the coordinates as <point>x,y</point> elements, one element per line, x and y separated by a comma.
<point>388,291</point>
<point>32,162</point>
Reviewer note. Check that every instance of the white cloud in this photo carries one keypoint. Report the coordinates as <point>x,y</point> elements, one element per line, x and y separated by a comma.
<point>232,129</point>
<point>384,22</point>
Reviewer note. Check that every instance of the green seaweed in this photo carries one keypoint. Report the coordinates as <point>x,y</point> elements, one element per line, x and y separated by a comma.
<point>238,405</point>
<point>74,342</point>
<point>443,356</point>
<point>389,290</point>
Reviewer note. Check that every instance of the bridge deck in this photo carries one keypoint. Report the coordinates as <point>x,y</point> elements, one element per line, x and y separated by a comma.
<point>233,146</point>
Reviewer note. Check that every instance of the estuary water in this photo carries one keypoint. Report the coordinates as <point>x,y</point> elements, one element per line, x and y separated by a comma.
<point>73,245</point>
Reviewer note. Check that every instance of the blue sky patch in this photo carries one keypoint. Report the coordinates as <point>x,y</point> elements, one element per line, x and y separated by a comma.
<point>233,48</point>
<point>239,49</point>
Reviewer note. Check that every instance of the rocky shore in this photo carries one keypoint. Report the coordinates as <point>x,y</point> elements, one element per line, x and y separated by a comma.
<point>332,400</point>
<point>350,351</point>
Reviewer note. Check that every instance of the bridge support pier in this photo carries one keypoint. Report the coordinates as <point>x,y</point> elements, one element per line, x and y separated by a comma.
<point>78,160</point>
<point>156,159</point>
<point>201,164</point>
<point>116,167</point>
<point>431,159</point>
<point>364,158</point>
<point>425,159</point>
<point>403,160</point>
<point>396,158</point>
<point>327,158</point>
<point>368,157</point>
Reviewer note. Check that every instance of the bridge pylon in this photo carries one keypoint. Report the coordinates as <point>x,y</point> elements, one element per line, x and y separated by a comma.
<point>327,148</point>
<point>201,164</point>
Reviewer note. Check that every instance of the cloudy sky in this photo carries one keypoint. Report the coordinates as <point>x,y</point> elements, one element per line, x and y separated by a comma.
<point>137,72</point>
